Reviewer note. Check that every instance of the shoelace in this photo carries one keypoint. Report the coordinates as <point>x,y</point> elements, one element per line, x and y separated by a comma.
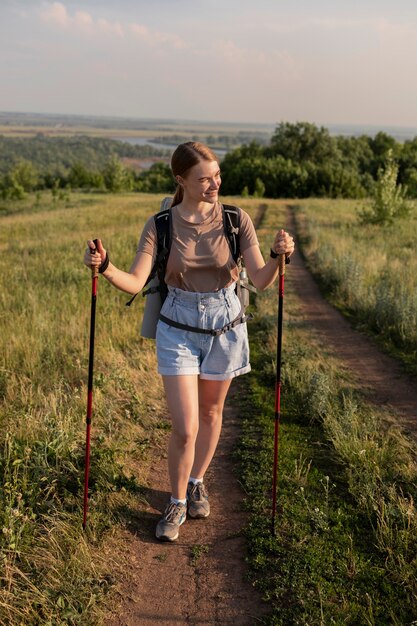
<point>173,512</point>
<point>198,491</point>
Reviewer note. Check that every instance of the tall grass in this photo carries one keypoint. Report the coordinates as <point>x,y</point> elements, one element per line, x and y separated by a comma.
<point>50,571</point>
<point>346,544</point>
<point>370,271</point>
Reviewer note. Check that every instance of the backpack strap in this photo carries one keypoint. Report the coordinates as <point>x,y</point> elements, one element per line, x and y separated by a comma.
<point>163,225</point>
<point>231,223</point>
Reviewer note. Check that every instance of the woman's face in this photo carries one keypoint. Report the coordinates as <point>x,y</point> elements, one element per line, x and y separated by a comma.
<point>202,182</point>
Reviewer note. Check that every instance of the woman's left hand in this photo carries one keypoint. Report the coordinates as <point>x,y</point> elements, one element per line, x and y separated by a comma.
<point>283,243</point>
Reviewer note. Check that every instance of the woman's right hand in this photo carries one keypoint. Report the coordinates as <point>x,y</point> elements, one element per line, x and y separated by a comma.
<point>94,255</point>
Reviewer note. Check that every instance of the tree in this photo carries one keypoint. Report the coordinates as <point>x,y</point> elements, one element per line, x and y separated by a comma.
<point>80,177</point>
<point>158,179</point>
<point>259,191</point>
<point>381,145</point>
<point>407,162</point>
<point>116,176</point>
<point>303,142</point>
<point>25,175</point>
<point>10,189</point>
<point>388,202</point>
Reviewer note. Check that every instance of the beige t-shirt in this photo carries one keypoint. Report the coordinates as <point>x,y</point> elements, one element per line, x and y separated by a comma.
<point>200,258</point>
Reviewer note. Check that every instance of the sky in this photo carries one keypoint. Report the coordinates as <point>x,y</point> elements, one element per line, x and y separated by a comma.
<point>257,61</point>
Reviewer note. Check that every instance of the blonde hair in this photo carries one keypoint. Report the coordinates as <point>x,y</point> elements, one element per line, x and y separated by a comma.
<point>185,156</point>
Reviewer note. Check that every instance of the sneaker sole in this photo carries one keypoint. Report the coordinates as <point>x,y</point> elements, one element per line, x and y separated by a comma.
<point>199,515</point>
<point>166,538</point>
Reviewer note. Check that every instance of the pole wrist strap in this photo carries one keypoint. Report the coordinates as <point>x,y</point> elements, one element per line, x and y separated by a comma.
<point>104,265</point>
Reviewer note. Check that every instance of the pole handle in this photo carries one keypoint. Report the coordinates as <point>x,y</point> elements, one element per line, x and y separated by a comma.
<point>281,264</point>
<point>94,268</point>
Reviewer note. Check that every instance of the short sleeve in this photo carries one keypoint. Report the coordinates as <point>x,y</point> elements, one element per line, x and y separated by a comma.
<point>247,234</point>
<point>148,240</point>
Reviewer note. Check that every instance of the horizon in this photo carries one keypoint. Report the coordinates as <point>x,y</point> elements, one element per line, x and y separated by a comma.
<point>337,126</point>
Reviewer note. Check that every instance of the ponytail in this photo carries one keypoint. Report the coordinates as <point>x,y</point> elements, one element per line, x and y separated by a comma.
<point>178,196</point>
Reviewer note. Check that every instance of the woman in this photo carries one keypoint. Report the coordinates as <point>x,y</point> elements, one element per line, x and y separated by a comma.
<point>197,369</point>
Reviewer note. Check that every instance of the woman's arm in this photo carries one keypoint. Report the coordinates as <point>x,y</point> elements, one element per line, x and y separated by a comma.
<point>130,282</point>
<point>263,274</point>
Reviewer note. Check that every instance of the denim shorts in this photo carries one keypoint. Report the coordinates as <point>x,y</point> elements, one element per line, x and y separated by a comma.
<point>181,352</point>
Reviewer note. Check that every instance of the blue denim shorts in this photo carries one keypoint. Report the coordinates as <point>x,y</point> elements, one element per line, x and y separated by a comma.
<point>181,352</point>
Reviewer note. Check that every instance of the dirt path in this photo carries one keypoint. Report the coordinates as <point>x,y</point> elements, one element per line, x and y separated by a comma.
<point>200,579</point>
<point>381,377</point>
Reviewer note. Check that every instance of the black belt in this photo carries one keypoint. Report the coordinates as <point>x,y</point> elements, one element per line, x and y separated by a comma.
<point>215,332</point>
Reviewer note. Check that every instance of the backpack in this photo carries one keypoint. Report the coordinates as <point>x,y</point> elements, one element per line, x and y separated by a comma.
<point>157,287</point>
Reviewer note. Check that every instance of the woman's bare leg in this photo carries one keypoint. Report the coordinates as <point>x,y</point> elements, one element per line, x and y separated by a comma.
<point>182,398</point>
<point>211,395</point>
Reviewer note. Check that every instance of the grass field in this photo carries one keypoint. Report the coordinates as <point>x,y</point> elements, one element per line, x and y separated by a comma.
<point>369,272</point>
<point>346,551</point>
<point>50,572</point>
<point>346,544</point>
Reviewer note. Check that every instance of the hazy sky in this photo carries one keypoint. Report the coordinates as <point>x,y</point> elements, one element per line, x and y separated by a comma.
<point>246,61</point>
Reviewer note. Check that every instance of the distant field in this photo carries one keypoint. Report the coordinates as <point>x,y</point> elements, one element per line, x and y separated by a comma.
<point>15,125</point>
<point>68,131</point>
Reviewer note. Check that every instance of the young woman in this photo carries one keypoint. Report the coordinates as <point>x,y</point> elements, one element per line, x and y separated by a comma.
<point>197,369</point>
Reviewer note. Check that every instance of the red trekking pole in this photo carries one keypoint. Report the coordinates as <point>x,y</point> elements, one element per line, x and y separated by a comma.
<point>278,387</point>
<point>94,276</point>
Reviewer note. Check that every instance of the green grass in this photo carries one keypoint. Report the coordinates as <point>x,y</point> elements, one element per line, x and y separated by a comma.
<point>196,552</point>
<point>345,550</point>
<point>368,271</point>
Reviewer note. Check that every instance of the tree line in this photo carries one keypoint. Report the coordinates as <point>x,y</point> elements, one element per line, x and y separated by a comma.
<point>77,162</point>
<point>301,160</point>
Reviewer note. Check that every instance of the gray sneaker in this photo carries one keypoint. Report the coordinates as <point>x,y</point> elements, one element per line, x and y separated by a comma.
<point>197,501</point>
<point>168,526</point>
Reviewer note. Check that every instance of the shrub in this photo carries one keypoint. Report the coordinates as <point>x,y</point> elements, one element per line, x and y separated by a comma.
<point>388,201</point>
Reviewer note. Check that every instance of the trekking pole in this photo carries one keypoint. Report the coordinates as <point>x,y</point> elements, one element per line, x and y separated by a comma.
<point>94,276</point>
<point>278,387</point>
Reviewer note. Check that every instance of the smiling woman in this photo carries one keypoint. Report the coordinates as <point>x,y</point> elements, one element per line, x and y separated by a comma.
<point>201,337</point>
<point>200,182</point>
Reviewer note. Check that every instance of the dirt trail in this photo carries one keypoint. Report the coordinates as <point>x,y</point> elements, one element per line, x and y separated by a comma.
<point>201,578</point>
<point>381,377</point>
<point>161,583</point>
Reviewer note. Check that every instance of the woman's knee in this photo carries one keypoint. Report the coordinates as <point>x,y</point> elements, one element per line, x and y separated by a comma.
<point>184,437</point>
<point>211,415</point>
